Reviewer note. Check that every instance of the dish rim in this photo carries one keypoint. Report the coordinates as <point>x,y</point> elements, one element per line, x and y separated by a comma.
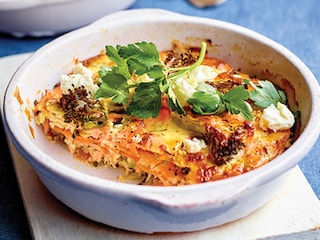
<point>249,180</point>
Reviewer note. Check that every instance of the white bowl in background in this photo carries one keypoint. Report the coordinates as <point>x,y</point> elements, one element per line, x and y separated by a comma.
<point>50,17</point>
<point>94,192</point>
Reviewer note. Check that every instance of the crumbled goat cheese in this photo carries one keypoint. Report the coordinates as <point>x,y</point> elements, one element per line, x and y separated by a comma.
<point>185,86</point>
<point>200,74</point>
<point>81,76</point>
<point>183,90</point>
<point>194,145</point>
<point>276,118</point>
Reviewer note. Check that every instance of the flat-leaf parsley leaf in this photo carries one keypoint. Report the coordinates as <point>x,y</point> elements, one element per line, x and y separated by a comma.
<point>146,102</point>
<point>206,100</point>
<point>114,85</point>
<point>265,93</point>
<point>235,101</point>
<point>136,60</point>
<point>139,79</point>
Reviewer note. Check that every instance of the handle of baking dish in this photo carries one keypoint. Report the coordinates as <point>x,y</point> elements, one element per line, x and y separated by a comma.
<point>187,199</point>
<point>220,194</point>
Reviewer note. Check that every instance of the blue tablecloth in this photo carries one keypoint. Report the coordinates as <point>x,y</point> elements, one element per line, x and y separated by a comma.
<point>293,23</point>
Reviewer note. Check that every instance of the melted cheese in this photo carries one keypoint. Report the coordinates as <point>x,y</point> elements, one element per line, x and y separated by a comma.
<point>176,150</point>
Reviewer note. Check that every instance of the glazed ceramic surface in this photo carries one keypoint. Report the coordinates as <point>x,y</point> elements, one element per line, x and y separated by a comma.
<point>49,17</point>
<point>94,192</point>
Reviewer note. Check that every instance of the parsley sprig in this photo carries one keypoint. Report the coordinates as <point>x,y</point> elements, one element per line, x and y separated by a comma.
<point>139,79</point>
<point>136,60</point>
<point>265,94</point>
<point>208,100</point>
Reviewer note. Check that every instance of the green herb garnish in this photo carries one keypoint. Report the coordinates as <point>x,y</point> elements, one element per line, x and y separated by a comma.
<point>146,101</point>
<point>139,59</point>
<point>142,93</point>
<point>265,94</point>
<point>235,101</point>
<point>208,100</point>
<point>117,88</point>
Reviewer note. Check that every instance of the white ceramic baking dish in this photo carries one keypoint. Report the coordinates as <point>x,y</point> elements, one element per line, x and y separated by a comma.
<point>40,18</point>
<point>94,192</point>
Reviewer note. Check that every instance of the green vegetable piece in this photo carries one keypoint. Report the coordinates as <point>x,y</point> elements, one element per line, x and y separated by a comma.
<point>204,103</point>
<point>156,72</point>
<point>146,102</point>
<point>206,100</point>
<point>265,94</point>
<point>235,102</point>
<point>121,64</point>
<point>104,71</point>
<point>173,102</point>
<point>114,85</point>
<point>236,94</point>
<point>141,58</point>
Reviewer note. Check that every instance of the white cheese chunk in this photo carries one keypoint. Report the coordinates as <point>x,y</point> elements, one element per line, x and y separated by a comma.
<point>185,86</point>
<point>194,145</point>
<point>81,76</point>
<point>183,90</point>
<point>201,73</point>
<point>277,118</point>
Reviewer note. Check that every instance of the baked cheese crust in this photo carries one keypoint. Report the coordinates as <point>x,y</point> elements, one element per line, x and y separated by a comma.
<point>172,149</point>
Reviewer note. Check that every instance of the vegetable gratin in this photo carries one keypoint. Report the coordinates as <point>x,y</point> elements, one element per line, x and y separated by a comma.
<point>173,117</point>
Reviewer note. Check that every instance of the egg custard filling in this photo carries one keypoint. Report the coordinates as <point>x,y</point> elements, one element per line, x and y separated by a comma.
<point>173,117</point>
